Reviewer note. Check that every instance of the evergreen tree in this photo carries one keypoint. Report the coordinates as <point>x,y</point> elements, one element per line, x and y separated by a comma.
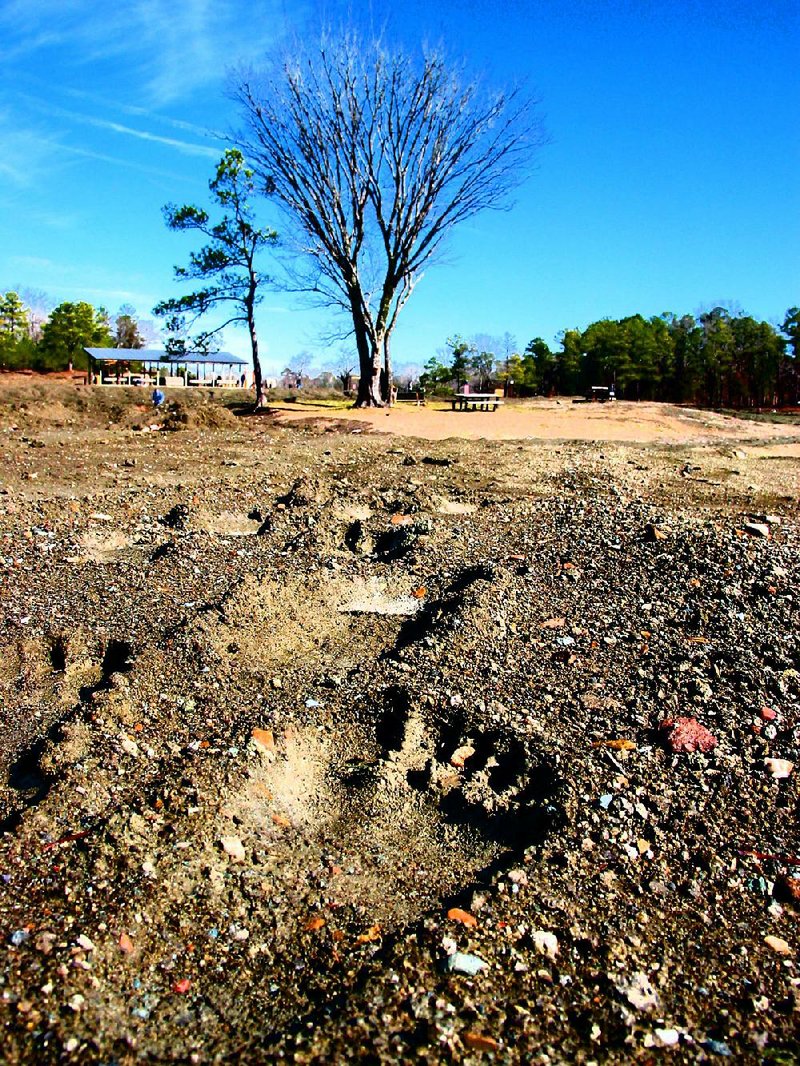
<point>70,328</point>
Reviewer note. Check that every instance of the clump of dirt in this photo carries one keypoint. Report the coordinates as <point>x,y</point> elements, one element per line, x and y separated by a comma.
<point>315,750</point>
<point>209,415</point>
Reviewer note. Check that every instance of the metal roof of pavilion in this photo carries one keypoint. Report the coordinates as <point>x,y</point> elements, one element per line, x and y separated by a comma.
<point>158,355</point>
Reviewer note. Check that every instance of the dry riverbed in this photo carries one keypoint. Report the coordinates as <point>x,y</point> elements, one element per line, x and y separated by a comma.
<point>323,745</point>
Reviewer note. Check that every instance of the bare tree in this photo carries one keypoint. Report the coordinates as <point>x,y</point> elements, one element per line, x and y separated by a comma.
<point>376,158</point>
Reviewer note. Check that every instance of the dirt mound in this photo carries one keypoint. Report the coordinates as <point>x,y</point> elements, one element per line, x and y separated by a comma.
<point>180,415</point>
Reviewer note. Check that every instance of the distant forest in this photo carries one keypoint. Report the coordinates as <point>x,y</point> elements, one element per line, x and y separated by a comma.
<point>715,359</point>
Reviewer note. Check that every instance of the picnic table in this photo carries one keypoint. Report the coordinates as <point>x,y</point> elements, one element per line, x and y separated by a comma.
<point>476,401</point>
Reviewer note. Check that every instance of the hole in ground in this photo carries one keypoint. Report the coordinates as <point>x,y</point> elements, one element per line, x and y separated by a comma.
<point>58,654</point>
<point>390,729</point>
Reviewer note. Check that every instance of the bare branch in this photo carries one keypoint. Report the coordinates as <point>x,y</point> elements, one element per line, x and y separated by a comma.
<point>375,158</point>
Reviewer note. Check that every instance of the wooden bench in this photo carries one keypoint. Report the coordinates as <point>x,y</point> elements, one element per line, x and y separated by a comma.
<point>476,401</point>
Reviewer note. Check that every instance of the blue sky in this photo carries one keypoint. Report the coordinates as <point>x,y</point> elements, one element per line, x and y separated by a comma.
<point>670,181</point>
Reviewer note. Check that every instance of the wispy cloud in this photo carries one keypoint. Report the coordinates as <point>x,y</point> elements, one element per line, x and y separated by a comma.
<point>154,116</point>
<point>138,299</point>
<point>170,49</point>
<point>33,262</point>
<point>30,154</point>
<point>185,147</point>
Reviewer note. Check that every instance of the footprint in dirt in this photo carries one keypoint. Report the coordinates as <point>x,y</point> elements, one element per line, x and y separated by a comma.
<point>404,821</point>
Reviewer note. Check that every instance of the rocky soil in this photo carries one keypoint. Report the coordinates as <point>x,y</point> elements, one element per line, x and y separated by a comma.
<point>323,746</point>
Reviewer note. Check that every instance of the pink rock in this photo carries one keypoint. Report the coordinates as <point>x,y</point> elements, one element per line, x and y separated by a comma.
<point>686,734</point>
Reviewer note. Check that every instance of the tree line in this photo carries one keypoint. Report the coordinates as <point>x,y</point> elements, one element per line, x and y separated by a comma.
<point>57,343</point>
<point>714,359</point>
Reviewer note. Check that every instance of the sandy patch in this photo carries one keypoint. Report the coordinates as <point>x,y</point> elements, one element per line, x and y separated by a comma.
<point>650,423</point>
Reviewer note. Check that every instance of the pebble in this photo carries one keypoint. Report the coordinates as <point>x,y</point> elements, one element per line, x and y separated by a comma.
<point>460,755</point>
<point>456,914</point>
<point>466,964</point>
<point>757,529</point>
<point>546,943</point>
<point>717,1047</point>
<point>129,746</point>
<point>479,1042</point>
<point>263,739</point>
<point>638,991</point>
<point>778,944</point>
<point>233,848</point>
<point>779,768</point>
<point>686,734</point>
<point>662,1038</point>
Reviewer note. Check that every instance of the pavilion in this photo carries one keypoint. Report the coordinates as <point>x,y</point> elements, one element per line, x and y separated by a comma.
<point>113,366</point>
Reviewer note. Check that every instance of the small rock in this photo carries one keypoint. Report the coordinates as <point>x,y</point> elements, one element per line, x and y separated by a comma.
<point>467,964</point>
<point>686,734</point>
<point>717,1047</point>
<point>757,529</point>
<point>546,943</point>
<point>455,914</point>
<point>662,1038</point>
<point>479,1042</point>
<point>778,944</point>
<point>263,739</point>
<point>460,755</point>
<point>19,936</point>
<point>129,746</point>
<point>44,942</point>
<point>638,991</point>
<point>233,848</point>
<point>84,942</point>
<point>779,768</point>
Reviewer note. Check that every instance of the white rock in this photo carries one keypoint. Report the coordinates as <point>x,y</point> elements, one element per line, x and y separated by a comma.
<point>233,848</point>
<point>638,991</point>
<point>667,1037</point>
<point>129,746</point>
<point>779,768</point>
<point>546,943</point>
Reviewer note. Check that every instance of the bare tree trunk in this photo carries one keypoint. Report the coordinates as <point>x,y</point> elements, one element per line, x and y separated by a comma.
<point>369,383</point>
<point>369,365</point>
<point>251,325</point>
<point>387,366</point>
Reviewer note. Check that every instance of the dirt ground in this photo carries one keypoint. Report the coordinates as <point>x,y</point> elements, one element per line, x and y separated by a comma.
<point>540,419</point>
<point>320,744</point>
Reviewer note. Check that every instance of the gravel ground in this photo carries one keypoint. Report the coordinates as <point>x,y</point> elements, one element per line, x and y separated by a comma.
<point>321,746</point>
